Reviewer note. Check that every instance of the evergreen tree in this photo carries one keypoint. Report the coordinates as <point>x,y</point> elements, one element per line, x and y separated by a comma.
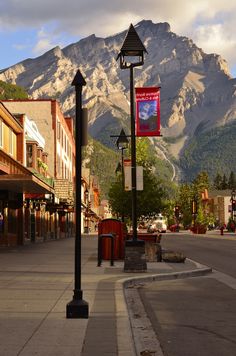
<point>217,183</point>
<point>190,192</point>
<point>232,181</point>
<point>185,202</point>
<point>200,183</point>
<point>224,184</point>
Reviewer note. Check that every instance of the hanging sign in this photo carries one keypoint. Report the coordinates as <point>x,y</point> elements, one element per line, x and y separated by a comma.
<point>147,111</point>
<point>128,176</point>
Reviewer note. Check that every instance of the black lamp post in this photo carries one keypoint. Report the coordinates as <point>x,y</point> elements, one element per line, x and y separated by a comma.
<point>78,308</point>
<point>233,204</point>
<point>194,210</point>
<point>132,55</point>
<point>86,229</point>
<point>176,209</point>
<point>122,144</point>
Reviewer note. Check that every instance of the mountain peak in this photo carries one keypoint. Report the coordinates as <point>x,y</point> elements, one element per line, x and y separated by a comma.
<point>157,27</point>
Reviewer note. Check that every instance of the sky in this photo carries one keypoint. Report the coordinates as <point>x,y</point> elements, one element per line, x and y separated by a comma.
<point>29,28</point>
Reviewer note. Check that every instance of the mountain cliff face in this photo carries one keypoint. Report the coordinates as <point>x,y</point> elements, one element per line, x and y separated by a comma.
<point>197,91</point>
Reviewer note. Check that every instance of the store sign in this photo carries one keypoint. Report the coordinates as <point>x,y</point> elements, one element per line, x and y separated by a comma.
<point>147,111</point>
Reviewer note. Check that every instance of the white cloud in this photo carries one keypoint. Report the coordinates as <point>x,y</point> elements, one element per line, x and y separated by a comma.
<point>42,46</point>
<point>210,23</point>
<point>43,43</point>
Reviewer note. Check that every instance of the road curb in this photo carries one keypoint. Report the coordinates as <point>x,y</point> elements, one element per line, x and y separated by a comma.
<point>135,324</point>
<point>135,281</point>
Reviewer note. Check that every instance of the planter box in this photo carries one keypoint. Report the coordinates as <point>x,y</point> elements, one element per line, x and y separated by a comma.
<point>171,256</point>
<point>198,229</point>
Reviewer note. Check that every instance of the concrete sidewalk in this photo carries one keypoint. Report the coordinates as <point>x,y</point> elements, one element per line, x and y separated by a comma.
<point>36,283</point>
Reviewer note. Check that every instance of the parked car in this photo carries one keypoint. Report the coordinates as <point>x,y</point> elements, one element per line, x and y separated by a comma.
<point>174,228</point>
<point>159,224</point>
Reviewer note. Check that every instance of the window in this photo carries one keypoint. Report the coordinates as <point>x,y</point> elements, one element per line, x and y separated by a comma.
<point>29,155</point>
<point>58,166</point>
<point>58,130</point>
<point>62,170</point>
<point>1,133</point>
<point>10,141</point>
<point>65,144</point>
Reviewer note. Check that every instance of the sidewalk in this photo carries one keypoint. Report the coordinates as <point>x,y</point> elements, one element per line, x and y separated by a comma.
<point>36,283</point>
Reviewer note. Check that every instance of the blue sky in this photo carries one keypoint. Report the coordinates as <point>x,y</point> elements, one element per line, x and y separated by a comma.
<point>29,28</point>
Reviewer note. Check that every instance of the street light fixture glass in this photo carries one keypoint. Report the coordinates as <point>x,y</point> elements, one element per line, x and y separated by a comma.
<point>122,142</point>
<point>131,47</point>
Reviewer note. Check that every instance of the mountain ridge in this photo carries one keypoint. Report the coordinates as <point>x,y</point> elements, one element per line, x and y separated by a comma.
<point>197,90</point>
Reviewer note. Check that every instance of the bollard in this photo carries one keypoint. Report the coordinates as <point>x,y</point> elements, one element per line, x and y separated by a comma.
<point>222,230</point>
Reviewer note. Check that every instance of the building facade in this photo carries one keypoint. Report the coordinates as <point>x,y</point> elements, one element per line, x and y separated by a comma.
<point>56,159</point>
<point>47,149</point>
<point>220,205</point>
<point>16,181</point>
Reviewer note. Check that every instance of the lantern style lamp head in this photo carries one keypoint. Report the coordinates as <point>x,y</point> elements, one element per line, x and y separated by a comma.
<point>132,50</point>
<point>86,194</point>
<point>122,141</point>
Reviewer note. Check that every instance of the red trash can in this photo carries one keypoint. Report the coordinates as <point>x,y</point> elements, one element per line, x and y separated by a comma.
<point>116,227</point>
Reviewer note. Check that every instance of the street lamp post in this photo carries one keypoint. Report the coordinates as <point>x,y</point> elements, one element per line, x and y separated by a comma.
<point>194,210</point>
<point>132,55</point>
<point>86,229</point>
<point>78,308</point>
<point>122,144</point>
<point>233,204</point>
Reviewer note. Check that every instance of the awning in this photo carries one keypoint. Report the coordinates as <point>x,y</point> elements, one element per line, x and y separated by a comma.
<point>22,183</point>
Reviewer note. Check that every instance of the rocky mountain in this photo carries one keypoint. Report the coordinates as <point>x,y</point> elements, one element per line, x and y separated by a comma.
<point>197,92</point>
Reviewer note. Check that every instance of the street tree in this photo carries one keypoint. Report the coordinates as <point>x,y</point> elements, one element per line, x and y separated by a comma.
<point>150,201</point>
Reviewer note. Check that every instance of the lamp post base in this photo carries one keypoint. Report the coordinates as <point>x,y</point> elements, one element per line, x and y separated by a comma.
<point>135,260</point>
<point>77,308</point>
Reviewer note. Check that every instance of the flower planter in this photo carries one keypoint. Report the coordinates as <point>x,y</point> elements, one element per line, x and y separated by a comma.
<point>198,229</point>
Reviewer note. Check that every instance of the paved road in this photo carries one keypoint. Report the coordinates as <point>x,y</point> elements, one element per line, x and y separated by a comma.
<point>218,252</point>
<point>196,316</point>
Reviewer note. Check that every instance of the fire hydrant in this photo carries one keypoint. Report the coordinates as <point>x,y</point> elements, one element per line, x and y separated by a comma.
<point>222,230</point>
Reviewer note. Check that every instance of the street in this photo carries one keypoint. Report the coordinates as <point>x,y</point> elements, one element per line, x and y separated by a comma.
<point>196,316</point>
<point>212,249</point>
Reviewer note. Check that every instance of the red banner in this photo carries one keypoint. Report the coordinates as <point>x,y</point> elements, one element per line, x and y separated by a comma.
<point>147,111</point>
